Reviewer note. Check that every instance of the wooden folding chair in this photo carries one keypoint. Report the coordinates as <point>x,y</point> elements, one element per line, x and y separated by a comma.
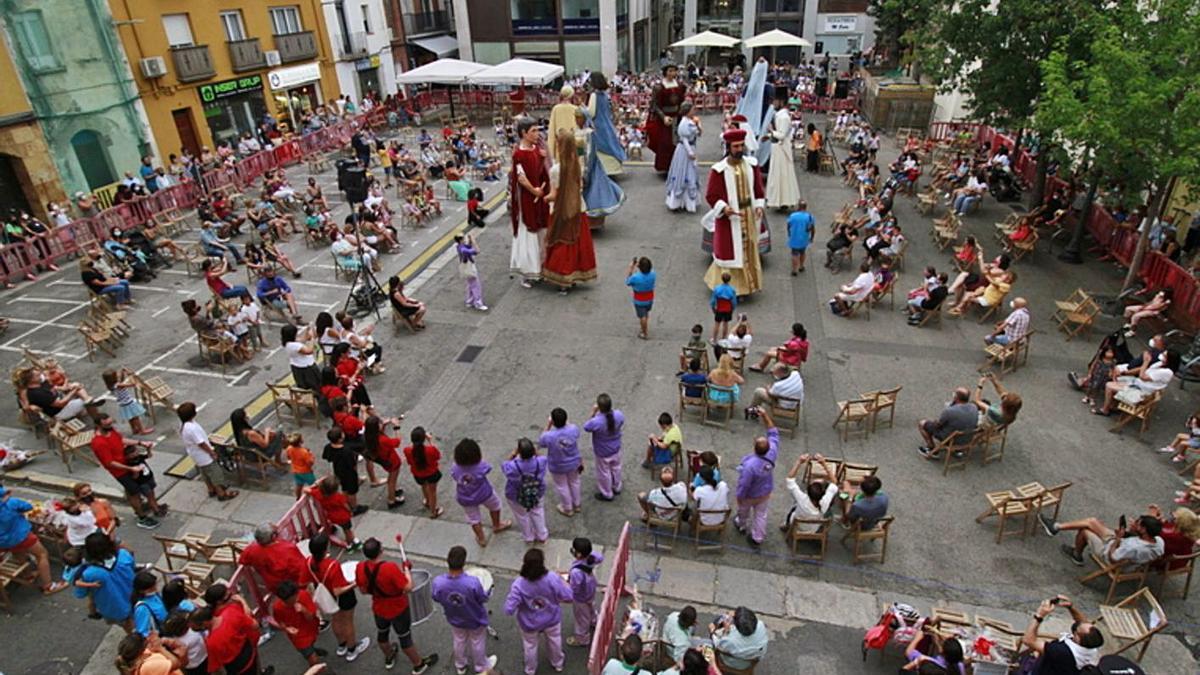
<point>1142,410</point>
<point>1117,573</point>
<point>1127,625</point>
<point>73,440</point>
<point>1022,248</point>
<point>889,290</point>
<point>153,391</point>
<point>862,306</point>
<point>1176,566</point>
<point>991,441</point>
<point>224,350</point>
<point>855,412</point>
<point>854,473</point>
<point>813,470</point>
<point>884,400</point>
<point>710,405</point>
<point>212,552</point>
<point>281,399</point>
<point>1006,504</point>
<point>686,402</point>
<point>659,526</point>
<point>193,257</point>
<point>928,315</point>
<point>175,549</point>
<point>948,622</point>
<point>722,663</point>
<point>304,401</point>
<point>861,537</point>
<point>14,569</point>
<point>787,413</point>
<point>1077,314</point>
<point>738,356</point>
<point>700,530</point>
<point>1047,497</point>
<point>700,353</point>
<point>795,535</point>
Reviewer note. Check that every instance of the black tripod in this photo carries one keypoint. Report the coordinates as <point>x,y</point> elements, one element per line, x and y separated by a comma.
<point>365,291</point>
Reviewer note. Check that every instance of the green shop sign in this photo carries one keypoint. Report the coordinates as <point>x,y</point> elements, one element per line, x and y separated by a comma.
<point>212,92</point>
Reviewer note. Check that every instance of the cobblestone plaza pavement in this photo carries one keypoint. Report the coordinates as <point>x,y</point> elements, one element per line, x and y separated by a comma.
<point>495,376</point>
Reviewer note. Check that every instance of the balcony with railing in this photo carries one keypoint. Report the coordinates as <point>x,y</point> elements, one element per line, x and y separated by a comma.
<point>419,23</point>
<point>246,55</point>
<point>296,46</point>
<point>192,63</point>
<point>352,45</point>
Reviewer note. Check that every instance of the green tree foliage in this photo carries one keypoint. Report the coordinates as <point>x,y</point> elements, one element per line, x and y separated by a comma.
<point>900,25</point>
<point>1132,97</point>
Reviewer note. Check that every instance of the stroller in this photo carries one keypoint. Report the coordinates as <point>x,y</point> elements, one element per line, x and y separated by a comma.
<point>899,623</point>
<point>1114,341</point>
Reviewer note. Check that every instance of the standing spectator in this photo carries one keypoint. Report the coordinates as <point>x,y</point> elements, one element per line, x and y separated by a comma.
<point>336,506</point>
<point>525,489</point>
<point>232,633</point>
<point>534,598</point>
<point>605,426</point>
<point>328,572</point>
<point>801,228</point>
<point>17,538</point>
<point>464,601</point>
<point>107,577</point>
<point>273,559</point>
<point>296,613</point>
<point>561,441</point>
<point>301,356</point>
<point>757,479</point>
<point>723,303</point>
<point>582,579</point>
<point>388,585</point>
<point>422,457</point>
<point>113,452</point>
<point>641,278</point>
<point>473,489</point>
<point>197,447</point>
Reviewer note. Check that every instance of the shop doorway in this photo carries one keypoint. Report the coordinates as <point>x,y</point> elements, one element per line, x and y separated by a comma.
<point>93,159</point>
<point>12,188</point>
<point>186,128</point>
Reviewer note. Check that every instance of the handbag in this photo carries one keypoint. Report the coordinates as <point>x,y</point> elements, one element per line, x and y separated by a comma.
<point>686,514</point>
<point>322,597</point>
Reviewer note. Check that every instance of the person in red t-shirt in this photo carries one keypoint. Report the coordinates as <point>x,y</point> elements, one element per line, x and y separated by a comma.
<point>336,506</point>
<point>296,613</point>
<point>381,448</point>
<point>792,353</point>
<point>422,457</point>
<point>275,560</point>
<point>138,482</point>
<point>388,586</point>
<point>232,640</point>
<point>346,418</point>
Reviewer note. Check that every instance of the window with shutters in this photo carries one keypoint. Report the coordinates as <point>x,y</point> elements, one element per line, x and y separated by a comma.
<point>235,29</point>
<point>34,41</point>
<point>286,20</point>
<point>179,31</point>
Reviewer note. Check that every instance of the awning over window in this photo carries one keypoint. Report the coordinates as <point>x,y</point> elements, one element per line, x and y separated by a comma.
<point>441,45</point>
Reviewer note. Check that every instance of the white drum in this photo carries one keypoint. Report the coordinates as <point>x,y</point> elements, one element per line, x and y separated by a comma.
<point>484,577</point>
<point>350,570</point>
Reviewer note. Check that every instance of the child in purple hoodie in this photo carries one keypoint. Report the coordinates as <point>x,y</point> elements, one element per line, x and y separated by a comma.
<point>473,488</point>
<point>534,599</point>
<point>583,590</point>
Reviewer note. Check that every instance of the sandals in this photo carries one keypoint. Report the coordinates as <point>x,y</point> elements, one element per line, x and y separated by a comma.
<point>54,587</point>
<point>229,494</point>
<point>437,512</point>
<point>572,641</point>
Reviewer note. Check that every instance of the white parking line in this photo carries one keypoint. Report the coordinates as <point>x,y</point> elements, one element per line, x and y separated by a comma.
<point>41,323</point>
<point>319,284</point>
<point>198,373</point>
<point>61,355</point>
<point>160,311</point>
<point>78,306</point>
<point>53,301</point>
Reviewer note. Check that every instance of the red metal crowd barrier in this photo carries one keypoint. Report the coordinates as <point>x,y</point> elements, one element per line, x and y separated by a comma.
<point>602,634</point>
<point>1159,271</point>
<point>948,131</point>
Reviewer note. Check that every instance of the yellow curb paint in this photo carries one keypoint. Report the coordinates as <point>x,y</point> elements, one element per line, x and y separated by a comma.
<point>185,465</point>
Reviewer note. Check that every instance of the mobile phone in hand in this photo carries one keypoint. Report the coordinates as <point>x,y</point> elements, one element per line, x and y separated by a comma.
<point>1121,523</point>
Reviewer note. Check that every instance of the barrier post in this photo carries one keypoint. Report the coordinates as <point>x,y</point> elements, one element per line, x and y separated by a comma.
<point>602,634</point>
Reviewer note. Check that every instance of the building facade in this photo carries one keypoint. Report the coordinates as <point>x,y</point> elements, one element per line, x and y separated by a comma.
<point>595,35</point>
<point>207,72</point>
<point>361,43</point>
<point>28,177</point>
<point>837,27</point>
<point>422,31</point>
<point>80,93</point>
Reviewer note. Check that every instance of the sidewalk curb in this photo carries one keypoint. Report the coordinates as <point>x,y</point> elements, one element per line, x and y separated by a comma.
<point>59,483</point>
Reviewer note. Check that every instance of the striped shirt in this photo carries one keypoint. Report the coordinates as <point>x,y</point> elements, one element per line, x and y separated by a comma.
<point>1017,324</point>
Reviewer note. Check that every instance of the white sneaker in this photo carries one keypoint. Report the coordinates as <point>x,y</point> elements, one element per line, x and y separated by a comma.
<point>481,307</point>
<point>491,664</point>
<point>460,671</point>
<point>1166,449</point>
<point>358,649</point>
<point>341,650</point>
<point>266,635</point>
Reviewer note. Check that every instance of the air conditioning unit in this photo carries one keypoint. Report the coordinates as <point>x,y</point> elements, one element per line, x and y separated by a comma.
<point>272,57</point>
<point>153,67</point>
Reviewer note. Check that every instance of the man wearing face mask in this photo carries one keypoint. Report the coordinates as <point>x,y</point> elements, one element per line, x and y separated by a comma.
<point>1071,652</point>
<point>736,194</point>
<point>1132,389</point>
<point>1014,327</point>
<point>126,461</point>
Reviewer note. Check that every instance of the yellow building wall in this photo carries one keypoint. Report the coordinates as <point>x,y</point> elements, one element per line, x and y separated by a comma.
<point>145,37</point>
<point>14,101</point>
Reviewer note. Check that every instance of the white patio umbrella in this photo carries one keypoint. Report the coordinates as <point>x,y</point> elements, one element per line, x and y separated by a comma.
<point>517,71</point>
<point>707,39</point>
<point>776,38</point>
<point>442,71</point>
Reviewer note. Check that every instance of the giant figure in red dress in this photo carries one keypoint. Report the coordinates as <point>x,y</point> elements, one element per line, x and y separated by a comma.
<point>665,99</point>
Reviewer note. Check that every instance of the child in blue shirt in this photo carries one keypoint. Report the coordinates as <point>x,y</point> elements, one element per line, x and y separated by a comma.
<point>723,303</point>
<point>801,227</point>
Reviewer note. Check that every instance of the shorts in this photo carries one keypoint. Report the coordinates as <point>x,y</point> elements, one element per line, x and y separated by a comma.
<point>303,479</point>
<point>1194,443</point>
<point>135,487</point>
<point>349,483</point>
<point>401,623</point>
<point>799,251</point>
<point>474,517</point>
<point>1096,545</point>
<point>642,311</point>
<point>722,316</point>
<point>210,472</point>
<point>27,543</point>
<point>347,601</point>
<point>429,480</point>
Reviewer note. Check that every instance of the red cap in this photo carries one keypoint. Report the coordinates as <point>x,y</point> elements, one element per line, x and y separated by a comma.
<point>738,118</point>
<point>734,135</point>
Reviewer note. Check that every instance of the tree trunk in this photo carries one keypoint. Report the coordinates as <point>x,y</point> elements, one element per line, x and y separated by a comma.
<point>1135,265</point>
<point>1039,181</point>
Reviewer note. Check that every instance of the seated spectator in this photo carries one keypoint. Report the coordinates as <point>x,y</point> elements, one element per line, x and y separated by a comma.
<point>64,402</point>
<point>1072,652</point>
<point>1189,440</point>
<point>1144,543</point>
<point>726,377</point>
<point>215,246</point>
<point>271,290</point>
<point>865,506</point>
<point>792,353</point>
<point>739,340</point>
<point>788,383</point>
<point>929,647</point>
<point>999,282</point>
<point>968,280</point>
<point>854,292</point>
<point>1134,314</point>
<point>17,539</point>
<point>694,379</point>
<point>695,342</point>
<point>961,415</point>
<point>993,414</point>
<point>117,290</point>
<point>1132,390</point>
<point>1014,327</point>
<point>839,245</point>
<point>710,494</point>
<point>967,196</point>
<point>677,631</point>
<point>814,500</point>
<point>933,298</point>
<point>212,277</point>
<point>740,637</point>
<point>669,498</point>
<point>662,448</point>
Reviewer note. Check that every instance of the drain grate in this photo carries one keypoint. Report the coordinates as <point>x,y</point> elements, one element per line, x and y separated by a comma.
<point>469,354</point>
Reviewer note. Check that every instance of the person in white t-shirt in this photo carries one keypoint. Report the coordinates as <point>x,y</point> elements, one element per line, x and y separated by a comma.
<point>80,521</point>
<point>711,495</point>
<point>666,498</point>
<point>247,323</point>
<point>788,384</point>
<point>813,500</point>
<point>739,339</point>
<point>302,356</point>
<point>855,291</point>
<point>197,447</point>
<point>1155,377</point>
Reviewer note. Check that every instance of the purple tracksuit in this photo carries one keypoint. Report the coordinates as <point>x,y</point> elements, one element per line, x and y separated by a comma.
<point>607,447</point>
<point>464,601</point>
<point>535,603</point>
<point>583,595</point>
